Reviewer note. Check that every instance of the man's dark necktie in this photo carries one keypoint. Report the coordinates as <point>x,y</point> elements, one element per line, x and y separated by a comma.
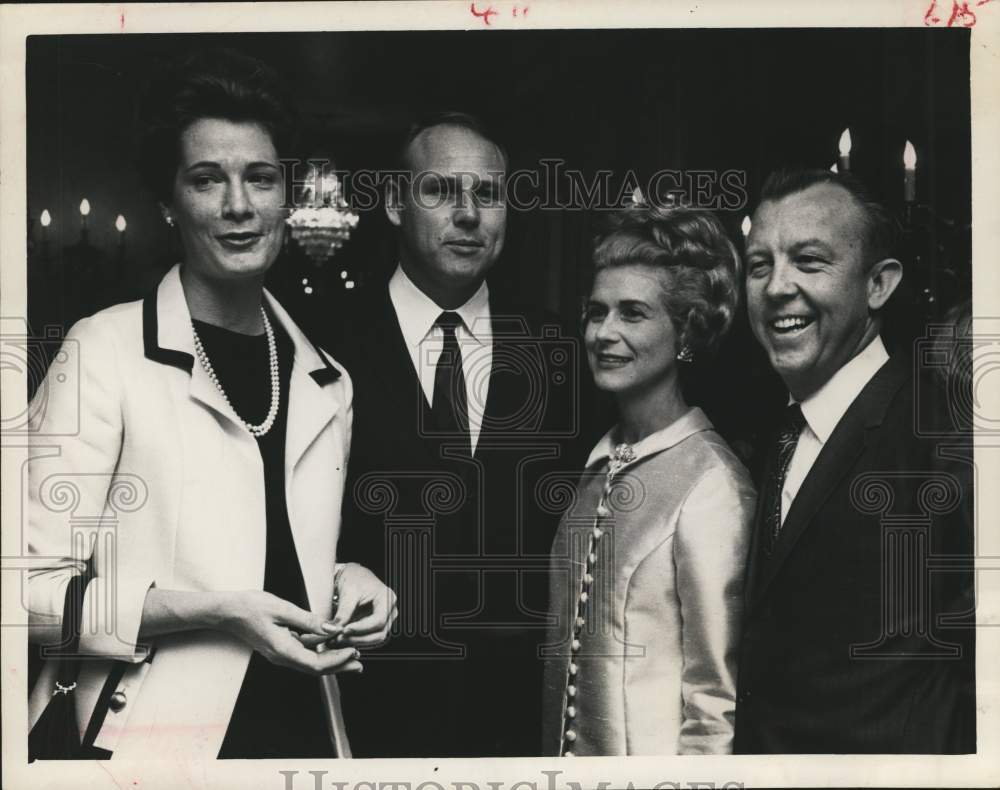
<point>788,437</point>
<point>449,405</point>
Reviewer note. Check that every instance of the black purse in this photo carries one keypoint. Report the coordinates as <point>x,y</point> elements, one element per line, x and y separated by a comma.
<point>56,735</point>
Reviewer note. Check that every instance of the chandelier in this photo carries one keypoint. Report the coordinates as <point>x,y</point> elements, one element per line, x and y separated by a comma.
<point>323,221</point>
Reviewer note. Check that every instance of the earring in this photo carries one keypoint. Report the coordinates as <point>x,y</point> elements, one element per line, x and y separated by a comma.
<point>685,354</point>
<point>169,220</point>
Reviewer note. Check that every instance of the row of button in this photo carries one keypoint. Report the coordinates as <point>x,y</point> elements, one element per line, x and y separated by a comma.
<point>586,584</point>
<point>622,455</point>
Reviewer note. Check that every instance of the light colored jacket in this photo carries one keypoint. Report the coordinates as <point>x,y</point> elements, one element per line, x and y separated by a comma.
<point>156,483</point>
<point>652,670</point>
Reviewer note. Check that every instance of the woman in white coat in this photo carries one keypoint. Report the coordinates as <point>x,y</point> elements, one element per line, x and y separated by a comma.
<point>202,482</point>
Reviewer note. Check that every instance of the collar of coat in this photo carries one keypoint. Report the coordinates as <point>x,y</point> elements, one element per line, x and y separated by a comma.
<point>691,422</point>
<point>167,337</point>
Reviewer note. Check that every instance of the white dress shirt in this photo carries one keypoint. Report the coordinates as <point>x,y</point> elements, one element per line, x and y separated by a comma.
<point>417,314</point>
<point>824,409</point>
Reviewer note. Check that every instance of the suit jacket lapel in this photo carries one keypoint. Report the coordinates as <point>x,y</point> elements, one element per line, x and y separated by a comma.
<point>516,362</point>
<point>838,456</point>
<point>382,353</point>
<point>168,339</point>
<point>311,403</point>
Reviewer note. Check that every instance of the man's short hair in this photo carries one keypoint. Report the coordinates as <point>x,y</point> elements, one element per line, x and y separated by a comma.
<point>441,118</point>
<point>880,242</point>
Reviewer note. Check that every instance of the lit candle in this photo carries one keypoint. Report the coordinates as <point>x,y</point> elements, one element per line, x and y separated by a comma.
<point>84,211</point>
<point>46,220</point>
<point>844,147</point>
<point>120,225</point>
<point>745,227</point>
<point>909,173</point>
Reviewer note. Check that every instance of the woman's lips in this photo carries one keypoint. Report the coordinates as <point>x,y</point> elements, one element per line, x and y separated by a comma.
<point>611,360</point>
<point>239,242</point>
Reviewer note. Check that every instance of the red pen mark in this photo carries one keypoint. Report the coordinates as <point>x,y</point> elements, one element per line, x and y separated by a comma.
<point>484,15</point>
<point>961,14</point>
<point>524,11</point>
<point>121,20</point>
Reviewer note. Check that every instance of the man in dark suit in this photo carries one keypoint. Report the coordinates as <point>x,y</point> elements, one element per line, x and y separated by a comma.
<point>858,627</point>
<point>466,429</point>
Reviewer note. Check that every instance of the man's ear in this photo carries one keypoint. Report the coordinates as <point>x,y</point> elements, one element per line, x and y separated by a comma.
<point>883,279</point>
<point>394,201</point>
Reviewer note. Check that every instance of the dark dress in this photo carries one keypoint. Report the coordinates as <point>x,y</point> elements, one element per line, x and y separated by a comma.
<point>279,711</point>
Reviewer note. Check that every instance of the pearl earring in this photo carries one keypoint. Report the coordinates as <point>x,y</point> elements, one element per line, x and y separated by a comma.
<point>685,354</point>
<point>169,220</point>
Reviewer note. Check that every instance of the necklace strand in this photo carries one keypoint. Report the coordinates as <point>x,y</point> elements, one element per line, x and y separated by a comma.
<point>272,356</point>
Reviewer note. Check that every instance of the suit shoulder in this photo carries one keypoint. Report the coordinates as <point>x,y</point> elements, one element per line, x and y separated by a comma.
<point>534,320</point>
<point>116,327</point>
<point>719,463</point>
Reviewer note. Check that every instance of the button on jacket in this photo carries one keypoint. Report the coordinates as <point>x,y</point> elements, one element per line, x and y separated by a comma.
<point>651,666</point>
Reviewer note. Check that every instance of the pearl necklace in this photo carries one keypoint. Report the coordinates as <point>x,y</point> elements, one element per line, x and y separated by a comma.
<point>272,354</point>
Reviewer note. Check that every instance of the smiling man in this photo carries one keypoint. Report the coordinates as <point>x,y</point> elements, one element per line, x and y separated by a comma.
<point>465,405</point>
<point>835,655</point>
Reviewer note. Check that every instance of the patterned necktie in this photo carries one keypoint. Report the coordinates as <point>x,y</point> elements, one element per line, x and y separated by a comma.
<point>788,437</point>
<point>449,404</point>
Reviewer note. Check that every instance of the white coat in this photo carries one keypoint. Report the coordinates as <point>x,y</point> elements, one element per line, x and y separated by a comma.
<point>158,484</point>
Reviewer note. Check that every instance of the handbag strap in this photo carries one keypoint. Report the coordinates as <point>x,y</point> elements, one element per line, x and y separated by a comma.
<point>72,623</point>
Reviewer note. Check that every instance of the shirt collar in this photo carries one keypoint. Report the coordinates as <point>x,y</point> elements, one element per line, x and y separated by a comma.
<point>417,312</point>
<point>824,408</point>
<point>691,422</point>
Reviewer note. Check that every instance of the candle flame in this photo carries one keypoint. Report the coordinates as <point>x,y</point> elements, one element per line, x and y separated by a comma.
<point>745,227</point>
<point>46,218</point>
<point>84,207</point>
<point>844,146</point>
<point>121,224</point>
<point>834,168</point>
<point>909,156</point>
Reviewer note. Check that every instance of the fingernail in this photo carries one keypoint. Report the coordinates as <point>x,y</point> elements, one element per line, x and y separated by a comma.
<point>357,653</point>
<point>332,628</point>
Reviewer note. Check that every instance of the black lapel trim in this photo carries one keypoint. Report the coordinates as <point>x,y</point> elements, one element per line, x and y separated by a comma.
<point>326,374</point>
<point>150,342</point>
<point>838,456</point>
<point>322,376</point>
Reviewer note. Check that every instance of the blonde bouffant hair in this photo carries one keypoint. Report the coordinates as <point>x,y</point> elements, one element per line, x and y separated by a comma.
<point>698,264</point>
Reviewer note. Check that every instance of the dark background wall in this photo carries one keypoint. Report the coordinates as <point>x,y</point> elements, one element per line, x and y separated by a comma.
<point>641,100</point>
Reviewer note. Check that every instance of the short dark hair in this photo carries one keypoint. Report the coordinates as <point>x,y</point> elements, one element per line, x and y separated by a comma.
<point>700,265</point>
<point>213,83</point>
<point>880,241</point>
<point>447,118</point>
